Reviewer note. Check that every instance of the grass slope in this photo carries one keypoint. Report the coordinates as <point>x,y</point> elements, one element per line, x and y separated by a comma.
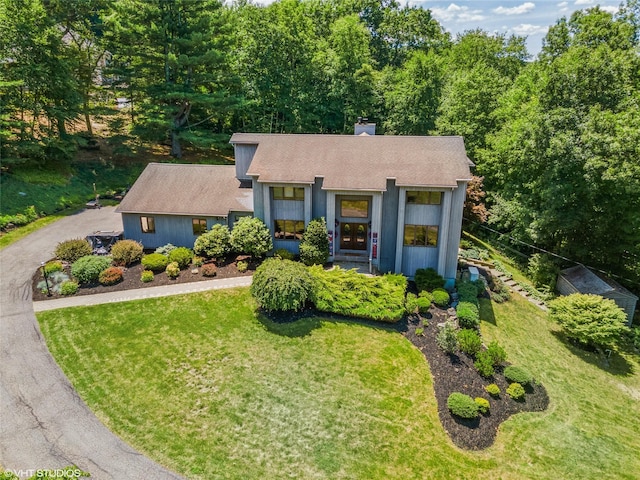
<point>205,386</point>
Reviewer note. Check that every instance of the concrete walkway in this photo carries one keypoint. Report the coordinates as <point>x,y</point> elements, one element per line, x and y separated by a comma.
<point>43,422</point>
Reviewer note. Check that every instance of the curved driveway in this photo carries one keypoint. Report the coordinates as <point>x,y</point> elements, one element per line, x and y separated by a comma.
<point>43,422</point>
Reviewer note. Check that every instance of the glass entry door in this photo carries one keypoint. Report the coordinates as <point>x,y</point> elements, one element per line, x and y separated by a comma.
<point>353,236</point>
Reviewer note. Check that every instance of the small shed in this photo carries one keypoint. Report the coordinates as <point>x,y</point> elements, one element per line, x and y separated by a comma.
<point>580,279</point>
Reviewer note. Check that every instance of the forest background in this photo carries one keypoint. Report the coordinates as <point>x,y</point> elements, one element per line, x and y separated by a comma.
<point>555,138</point>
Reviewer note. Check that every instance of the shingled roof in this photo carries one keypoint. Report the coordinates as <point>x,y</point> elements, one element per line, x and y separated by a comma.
<point>178,189</point>
<point>350,162</point>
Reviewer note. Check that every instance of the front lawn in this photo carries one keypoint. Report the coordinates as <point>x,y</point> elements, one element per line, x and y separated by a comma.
<point>205,386</point>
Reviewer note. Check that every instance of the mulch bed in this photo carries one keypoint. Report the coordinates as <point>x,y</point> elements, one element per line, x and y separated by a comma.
<point>456,373</point>
<point>131,279</point>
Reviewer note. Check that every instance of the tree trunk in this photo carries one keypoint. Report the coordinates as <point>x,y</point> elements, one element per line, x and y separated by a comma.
<point>176,148</point>
<point>179,120</point>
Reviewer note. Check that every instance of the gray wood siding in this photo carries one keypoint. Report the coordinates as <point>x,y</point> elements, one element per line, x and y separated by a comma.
<point>421,257</point>
<point>389,227</point>
<point>418,257</point>
<point>174,229</point>
<point>244,155</point>
<point>258,199</point>
<point>319,200</point>
<point>292,245</point>
<point>625,302</point>
<point>455,231</point>
<point>287,209</point>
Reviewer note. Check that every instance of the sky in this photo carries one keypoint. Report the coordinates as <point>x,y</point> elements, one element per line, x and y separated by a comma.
<point>530,19</point>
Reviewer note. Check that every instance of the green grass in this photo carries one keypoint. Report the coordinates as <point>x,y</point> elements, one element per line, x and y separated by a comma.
<point>205,386</point>
<point>8,238</point>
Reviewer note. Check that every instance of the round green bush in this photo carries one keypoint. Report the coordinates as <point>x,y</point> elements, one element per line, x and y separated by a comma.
<point>182,256</point>
<point>110,276</point>
<point>284,254</point>
<point>72,250</point>
<point>468,314</point>
<point>173,270</point>
<point>155,262</point>
<point>515,391</point>
<point>251,236</point>
<point>314,247</point>
<point>242,266</point>
<point>281,285</point>
<point>87,269</point>
<point>483,404</point>
<point>462,405</point>
<point>428,279</point>
<point>470,342</point>
<point>146,276</point>
<point>126,252</point>
<point>216,243</point>
<point>209,270</point>
<point>484,364</point>
<point>53,266</point>
<point>492,389</point>
<point>423,303</point>
<point>69,287</point>
<point>496,353</point>
<point>440,297</point>
<point>446,338</point>
<point>467,292</point>
<point>517,375</point>
<point>410,303</point>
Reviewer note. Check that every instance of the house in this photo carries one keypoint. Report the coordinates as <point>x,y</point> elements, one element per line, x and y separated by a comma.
<point>580,279</point>
<point>393,202</point>
<point>174,203</point>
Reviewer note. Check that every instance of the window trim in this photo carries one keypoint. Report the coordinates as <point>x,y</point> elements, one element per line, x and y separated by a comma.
<point>429,232</point>
<point>295,224</point>
<point>147,224</point>
<point>199,223</point>
<point>429,197</point>
<point>280,193</point>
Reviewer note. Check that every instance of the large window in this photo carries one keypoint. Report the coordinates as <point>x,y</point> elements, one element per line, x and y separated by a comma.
<point>424,198</point>
<point>421,235</point>
<point>288,193</point>
<point>354,208</point>
<point>199,225</point>
<point>288,229</point>
<point>148,224</point>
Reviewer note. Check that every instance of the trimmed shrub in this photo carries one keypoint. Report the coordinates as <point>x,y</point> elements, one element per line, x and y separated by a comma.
<point>173,270</point>
<point>496,354</point>
<point>209,270</point>
<point>69,287</point>
<point>52,266</point>
<point>146,276</point>
<point>428,279</point>
<point>483,364</point>
<point>87,269</point>
<point>347,292</point>
<point>468,314</point>
<point>110,276</point>
<point>492,389</point>
<point>314,246</point>
<point>126,252</point>
<point>156,262</point>
<point>424,304</point>
<point>517,375</point>
<point>467,292</point>
<point>165,249</point>
<point>462,405</point>
<point>284,254</point>
<point>197,261</point>
<point>72,250</point>
<point>251,236</point>
<point>483,404</point>
<point>242,266</point>
<point>281,285</point>
<point>440,297</point>
<point>470,342</point>
<point>515,391</point>
<point>215,243</point>
<point>446,338</point>
<point>411,303</point>
<point>182,256</point>
<point>427,295</point>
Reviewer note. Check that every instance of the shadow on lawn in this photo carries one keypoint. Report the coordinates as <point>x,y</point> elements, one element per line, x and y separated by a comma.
<point>615,363</point>
<point>301,324</point>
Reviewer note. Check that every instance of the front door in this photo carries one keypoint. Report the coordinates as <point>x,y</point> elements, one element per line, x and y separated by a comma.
<point>353,236</point>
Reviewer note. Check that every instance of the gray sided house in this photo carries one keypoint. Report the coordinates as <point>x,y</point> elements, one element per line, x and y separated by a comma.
<point>173,203</point>
<point>393,202</point>
<point>580,279</point>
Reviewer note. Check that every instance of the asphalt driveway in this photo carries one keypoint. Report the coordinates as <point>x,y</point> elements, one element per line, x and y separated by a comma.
<point>43,422</point>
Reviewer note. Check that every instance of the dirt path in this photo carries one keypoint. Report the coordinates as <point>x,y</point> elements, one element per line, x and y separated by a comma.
<point>44,424</point>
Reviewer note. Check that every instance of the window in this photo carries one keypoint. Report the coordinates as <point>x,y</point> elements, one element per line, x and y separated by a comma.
<point>288,193</point>
<point>199,225</point>
<point>424,198</point>
<point>288,229</point>
<point>148,224</point>
<point>421,235</point>
<point>354,208</point>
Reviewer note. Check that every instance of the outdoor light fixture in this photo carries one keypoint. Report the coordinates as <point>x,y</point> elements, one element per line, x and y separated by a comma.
<point>46,280</point>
